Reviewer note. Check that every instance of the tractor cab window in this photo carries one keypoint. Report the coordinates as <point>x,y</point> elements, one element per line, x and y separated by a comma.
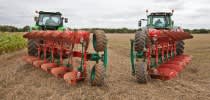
<point>49,20</point>
<point>160,21</point>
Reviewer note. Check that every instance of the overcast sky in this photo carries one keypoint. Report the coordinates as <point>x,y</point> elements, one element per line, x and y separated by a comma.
<point>106,13</point>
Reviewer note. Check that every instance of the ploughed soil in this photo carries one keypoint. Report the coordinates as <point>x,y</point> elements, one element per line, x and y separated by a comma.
<point>21,81</point>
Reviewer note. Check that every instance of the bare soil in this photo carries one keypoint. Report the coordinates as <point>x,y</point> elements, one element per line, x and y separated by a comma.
<point>21,81</point>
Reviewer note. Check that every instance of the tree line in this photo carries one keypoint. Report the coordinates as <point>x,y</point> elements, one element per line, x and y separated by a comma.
<point>113,30</point>
<point>7,28</point>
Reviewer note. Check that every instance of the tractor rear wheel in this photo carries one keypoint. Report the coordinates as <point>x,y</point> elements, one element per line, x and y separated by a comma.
<point>142,74</point>
<point>141,40</point>
<point>180,47</point>
<point>32,47</point>
<point>97,75</point>
<point>99,40</point>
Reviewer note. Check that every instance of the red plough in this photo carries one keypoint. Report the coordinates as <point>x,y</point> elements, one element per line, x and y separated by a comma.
<point>64,54</point>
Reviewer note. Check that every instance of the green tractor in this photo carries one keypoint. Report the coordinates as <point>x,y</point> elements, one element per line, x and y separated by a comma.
<point>63,52</point>
<point>163,21</point>
<point>157,50</point>
<point>45,21</point>
<point>49,21</point>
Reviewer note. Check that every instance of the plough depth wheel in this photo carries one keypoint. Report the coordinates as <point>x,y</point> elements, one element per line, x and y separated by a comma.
<point>142,75</point>
<point>97,75</point>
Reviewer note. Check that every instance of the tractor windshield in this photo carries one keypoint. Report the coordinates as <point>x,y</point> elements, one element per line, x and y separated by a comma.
<point>49,20</point>
<point>160,21</point>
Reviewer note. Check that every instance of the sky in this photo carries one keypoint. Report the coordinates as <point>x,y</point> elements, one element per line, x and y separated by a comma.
<point>106,13</point>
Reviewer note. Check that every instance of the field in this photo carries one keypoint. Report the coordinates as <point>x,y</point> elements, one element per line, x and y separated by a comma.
<point>11,41</point>
<point>20,81</point>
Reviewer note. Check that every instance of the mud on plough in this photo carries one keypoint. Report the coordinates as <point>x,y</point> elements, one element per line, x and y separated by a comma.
<point>55,46</point>
<point>157,55</point>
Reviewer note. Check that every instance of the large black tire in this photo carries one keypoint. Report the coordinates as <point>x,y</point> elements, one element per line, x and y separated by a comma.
<point>99,40</point>
<point>99,75</point>
<point>141,40</point>
<point>142,75</point>
<point>180,47</point>
<point>32,47</point>
<point>179,44</point>
<point>33,51</point>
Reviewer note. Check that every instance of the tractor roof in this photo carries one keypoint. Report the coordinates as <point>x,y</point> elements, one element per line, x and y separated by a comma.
<point>161,13</point>
<point>56,13</point>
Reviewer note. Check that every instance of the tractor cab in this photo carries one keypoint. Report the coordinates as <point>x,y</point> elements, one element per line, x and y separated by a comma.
<point>50,21</point>
<point>159,20</point>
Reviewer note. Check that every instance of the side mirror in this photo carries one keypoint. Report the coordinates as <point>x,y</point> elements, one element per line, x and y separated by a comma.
<point>139,23</point>
<point>66,20</point>
<point>35,18</point>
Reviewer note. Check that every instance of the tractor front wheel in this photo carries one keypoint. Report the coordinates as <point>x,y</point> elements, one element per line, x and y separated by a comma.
<point>180,47</point>
<point>32,47</point>
<point>97,75</point>
<point>142,74</point>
